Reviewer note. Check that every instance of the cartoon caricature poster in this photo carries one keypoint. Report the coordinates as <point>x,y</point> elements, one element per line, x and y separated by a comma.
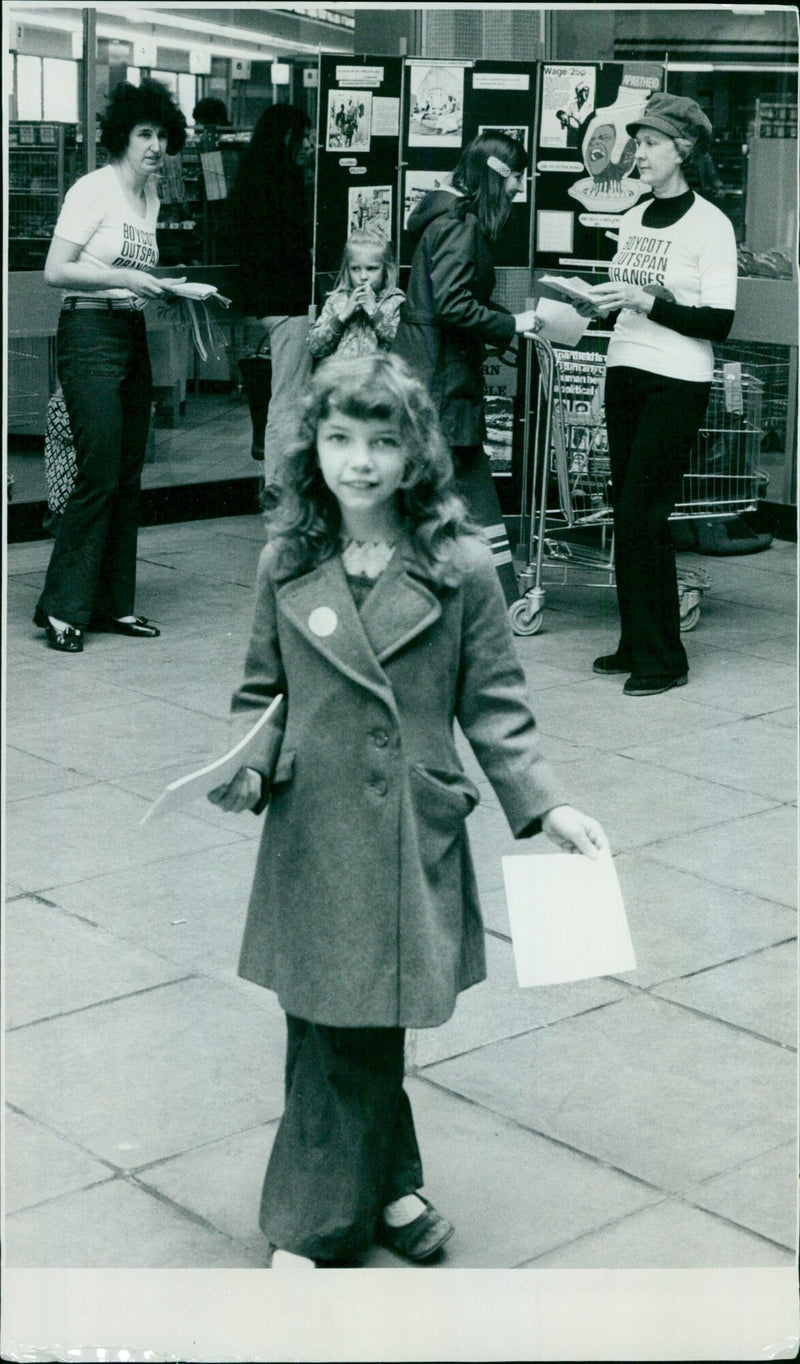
<point>584,160</point>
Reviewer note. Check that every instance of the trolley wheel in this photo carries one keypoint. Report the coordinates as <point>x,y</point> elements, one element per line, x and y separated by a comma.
<point>691,618</point>
<point>525,619</point>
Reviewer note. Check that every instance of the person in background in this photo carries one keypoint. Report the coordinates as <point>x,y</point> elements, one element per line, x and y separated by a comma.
<point>380,620</point>
<point>210,113</point>
<point>102,255</point>
<point>673,281</point>
<point>360,314</point>
<point>448,317</point>
<point>271,226</point>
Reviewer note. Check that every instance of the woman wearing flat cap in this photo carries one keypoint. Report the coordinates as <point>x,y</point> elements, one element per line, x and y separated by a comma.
<point>673,282</point>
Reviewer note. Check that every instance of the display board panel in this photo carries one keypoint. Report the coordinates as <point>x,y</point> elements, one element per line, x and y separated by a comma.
<point>585,176</point>
<point>357,152</point>
<point>447,104</point>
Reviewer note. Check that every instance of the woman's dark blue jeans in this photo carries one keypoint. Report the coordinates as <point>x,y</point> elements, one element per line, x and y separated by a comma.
<point>104,370</point>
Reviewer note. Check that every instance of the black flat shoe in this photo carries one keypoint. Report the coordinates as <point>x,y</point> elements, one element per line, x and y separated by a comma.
<point>257,452</point>
<point>67,641</point>
<point>609,664</point>
<point>652,686</point>
<point>138,628</point>
<point>418,1240</point>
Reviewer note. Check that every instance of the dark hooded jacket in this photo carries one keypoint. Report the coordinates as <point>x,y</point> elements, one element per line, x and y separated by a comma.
<point>447,320</point>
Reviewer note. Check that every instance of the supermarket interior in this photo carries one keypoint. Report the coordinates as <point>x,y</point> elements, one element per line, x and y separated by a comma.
<point>739,63</point>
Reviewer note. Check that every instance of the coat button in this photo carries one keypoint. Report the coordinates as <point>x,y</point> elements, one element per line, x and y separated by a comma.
<point>380,738</point>
<point>380,787</point>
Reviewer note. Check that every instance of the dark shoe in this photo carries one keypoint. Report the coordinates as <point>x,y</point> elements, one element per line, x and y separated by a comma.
<point>651,686</point>
<point>138,628</point>
<point>417,1240</point>
<point>67,641</point>
<point>611,663</point>
<point>257,452</point>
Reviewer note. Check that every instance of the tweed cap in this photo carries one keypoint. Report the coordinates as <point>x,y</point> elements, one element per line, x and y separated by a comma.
<point>676,116</point>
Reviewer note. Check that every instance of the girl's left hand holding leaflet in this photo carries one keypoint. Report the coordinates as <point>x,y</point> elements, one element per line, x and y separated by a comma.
<point>573,831</point>
<point>241,793</point>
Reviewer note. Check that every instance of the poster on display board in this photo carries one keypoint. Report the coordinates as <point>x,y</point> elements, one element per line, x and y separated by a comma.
<point>357,155</point>
<point>496,95</point>
<point>585,158</point>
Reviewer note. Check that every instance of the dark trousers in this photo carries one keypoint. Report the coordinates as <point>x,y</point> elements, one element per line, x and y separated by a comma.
<point>345,1145</point>
<point>474,481</point>
<point>651,423</point>
<point>104,369</point>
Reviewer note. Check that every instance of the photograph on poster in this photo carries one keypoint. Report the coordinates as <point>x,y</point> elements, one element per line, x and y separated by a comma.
<point>349,120</point>
<point>419,183</point>
<point>568,95</point>
<point>436,106</point>
<point>370,206</point>
<point>520,134</point>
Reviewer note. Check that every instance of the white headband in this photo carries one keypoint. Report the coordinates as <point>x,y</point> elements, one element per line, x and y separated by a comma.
<point>499,166</point>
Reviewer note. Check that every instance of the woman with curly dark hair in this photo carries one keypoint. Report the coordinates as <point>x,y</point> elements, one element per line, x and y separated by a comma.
<point>271,227</point>
<point>102,255</point>
<point>448,317</point>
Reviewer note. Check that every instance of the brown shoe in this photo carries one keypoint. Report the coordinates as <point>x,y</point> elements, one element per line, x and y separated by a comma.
<point>417,1240</point>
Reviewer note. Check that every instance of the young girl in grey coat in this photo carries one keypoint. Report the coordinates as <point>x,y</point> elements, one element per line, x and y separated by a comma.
<point>380,619</point>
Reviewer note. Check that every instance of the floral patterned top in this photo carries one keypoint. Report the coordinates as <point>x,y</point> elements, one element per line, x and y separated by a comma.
<point>357,334</point>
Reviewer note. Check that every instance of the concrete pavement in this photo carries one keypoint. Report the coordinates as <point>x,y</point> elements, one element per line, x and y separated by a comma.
<point>636,1122</point>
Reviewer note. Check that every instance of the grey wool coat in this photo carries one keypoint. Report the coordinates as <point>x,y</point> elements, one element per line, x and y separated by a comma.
<point>364,910</point>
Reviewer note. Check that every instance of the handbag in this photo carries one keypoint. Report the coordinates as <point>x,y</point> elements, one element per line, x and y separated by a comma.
<point>60,465</point>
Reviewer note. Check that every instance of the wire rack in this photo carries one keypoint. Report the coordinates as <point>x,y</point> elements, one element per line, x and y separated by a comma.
<point>24,384</point>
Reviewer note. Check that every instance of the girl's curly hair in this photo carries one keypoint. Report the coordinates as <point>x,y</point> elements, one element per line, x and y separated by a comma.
<point>149,102</point>
<point>304,527</point>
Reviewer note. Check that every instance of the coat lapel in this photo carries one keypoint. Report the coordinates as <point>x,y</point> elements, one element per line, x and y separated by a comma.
<point>399,607</point>
<point>320,605</point>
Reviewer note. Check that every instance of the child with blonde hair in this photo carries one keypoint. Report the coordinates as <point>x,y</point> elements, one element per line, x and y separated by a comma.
<point>360,315</point>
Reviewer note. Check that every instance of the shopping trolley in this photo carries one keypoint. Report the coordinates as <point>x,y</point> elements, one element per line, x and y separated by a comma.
<point>566,473</point>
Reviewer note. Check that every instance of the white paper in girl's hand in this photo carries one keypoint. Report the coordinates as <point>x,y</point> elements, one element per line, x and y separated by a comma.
<point>567,918</point>
<point>561,324</point>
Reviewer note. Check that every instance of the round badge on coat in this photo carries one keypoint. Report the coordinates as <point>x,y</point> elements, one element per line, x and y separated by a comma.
<point>323,621</point>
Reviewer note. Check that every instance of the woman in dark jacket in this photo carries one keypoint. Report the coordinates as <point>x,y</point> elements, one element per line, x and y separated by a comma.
<point>447,318</point>
<point>271,226</point>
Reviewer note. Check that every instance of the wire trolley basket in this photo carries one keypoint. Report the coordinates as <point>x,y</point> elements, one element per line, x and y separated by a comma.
<point>567,470</point>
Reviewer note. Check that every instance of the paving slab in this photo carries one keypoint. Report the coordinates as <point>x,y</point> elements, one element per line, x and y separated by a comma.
<point>669,1236</point>
<point>774,591</point>
<point>757,993</point>
<point>140,1078</point>
<point>760,1195</point>
<point>731,625</point>
<point>117,1226</point>
<point>787,719</point>
<point>498,1008</point>
<point>681,923</point>
<point>616,722</point>
<point>637,809</point>
<point>624,1085</point>
<point>40,1166</point>
<point>123,739</point>
<point>224,559</point>
<point>220,1182</point>
<point>59,963</point>
<point>94,830</point>
<point>189,908</point>
<point>718,679</point>
<point>753,756</point>
<point>58,693</point>
<point>27,776</point>
<point>756,854</point>
<point>505,1189</point>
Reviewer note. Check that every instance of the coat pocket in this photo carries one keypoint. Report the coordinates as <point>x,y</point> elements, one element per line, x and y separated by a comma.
<point>448,791</point>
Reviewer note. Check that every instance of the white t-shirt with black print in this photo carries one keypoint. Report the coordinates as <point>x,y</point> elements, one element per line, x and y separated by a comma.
<point>97,217</point>
<point>694,263</point>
